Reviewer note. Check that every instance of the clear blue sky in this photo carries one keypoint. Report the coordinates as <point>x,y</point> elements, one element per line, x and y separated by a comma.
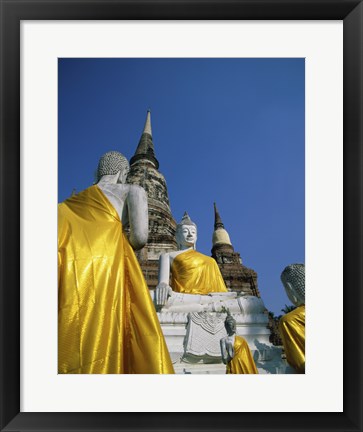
<point>224,130</point>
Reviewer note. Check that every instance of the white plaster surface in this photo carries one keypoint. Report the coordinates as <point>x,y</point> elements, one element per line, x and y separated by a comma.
<point>194,341</point>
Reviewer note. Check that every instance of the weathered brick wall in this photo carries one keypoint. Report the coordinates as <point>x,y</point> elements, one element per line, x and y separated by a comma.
<point>144,174</point>
<point>162,226</point>
<point>236,276</point>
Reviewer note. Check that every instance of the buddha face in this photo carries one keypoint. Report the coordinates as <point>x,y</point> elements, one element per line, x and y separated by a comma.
<point>186,235</point>
<point>230,327</point>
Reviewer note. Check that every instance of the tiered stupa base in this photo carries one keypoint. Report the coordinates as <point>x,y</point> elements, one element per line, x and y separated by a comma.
<point>194,346</point>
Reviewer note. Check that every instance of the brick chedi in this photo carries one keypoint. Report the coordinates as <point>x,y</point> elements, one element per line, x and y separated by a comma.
<point>237,277</point>
<point>144,172</point>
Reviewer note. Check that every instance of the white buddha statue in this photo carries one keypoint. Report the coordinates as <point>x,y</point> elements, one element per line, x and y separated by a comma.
<point>192,300</point>
<point>196,283</point>
<point>107,323</point>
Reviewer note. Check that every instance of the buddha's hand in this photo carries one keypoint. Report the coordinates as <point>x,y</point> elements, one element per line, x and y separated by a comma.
<point>162,292</point>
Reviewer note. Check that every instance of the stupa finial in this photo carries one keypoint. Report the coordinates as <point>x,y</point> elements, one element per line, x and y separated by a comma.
<point>145,148</point>
<point>220,235</point>
<point>147,127</point>
<point>217,218</point>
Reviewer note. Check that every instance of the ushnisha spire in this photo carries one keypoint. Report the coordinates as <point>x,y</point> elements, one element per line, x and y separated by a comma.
<point>145,148</point>
<point>220,235</point>
<point>186,220</point>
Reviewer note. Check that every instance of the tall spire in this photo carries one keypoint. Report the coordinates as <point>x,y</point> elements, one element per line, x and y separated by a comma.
<point>220,235</point>
<point>217,219</point>
<point>147,127</point>
<point>145,148</point>
<point>236,276</point>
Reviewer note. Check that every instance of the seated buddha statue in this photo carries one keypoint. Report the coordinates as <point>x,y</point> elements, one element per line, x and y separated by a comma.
<point>191,288</point>
<point>236,353</point>
<point>292,325</point>
<point>196,283</point>
<point>107,323</point>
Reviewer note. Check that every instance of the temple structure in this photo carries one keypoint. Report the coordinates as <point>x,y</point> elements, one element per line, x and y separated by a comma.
<point>237,277</point>
<point>144,171</point>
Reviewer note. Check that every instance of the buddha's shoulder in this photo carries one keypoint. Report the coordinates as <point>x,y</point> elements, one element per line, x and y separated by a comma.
<point>205,257</point>
<point>200,254</point>
<point>240,341</point>
<point>296,314</point>
<point>202,257</point>
<point>135,188</point>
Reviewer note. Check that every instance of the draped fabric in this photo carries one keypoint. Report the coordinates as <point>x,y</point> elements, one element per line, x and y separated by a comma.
<point>107,323</point>
<point>242,362</point>
<point>292,330</point>
<point>195,273</point>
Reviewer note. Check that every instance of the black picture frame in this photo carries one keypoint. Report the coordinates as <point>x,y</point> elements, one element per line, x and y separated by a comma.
<point>12,12</point>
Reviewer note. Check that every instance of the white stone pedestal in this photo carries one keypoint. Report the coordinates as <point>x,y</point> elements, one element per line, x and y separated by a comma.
<point>252,327</point>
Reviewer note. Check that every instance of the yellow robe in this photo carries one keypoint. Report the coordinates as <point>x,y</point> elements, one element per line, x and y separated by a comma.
<point>107,323</point>
<point>242,362</point>
<point>195,273</point>
<point>292,330</point>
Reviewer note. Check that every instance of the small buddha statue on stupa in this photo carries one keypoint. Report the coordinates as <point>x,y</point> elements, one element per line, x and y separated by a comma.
<point>236,353</point>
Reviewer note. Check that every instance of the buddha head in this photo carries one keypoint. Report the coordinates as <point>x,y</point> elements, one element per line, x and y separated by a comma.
<point>186,233</point>
<point>293,279</point>
<point>112,163</point>
<point>230,325</point>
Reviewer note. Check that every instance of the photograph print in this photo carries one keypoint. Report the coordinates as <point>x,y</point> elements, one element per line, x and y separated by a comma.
<point>181,216</point>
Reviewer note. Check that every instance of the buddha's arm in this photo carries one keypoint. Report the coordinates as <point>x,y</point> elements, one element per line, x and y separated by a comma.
<point>164,269</point>
<point>230,347</point>
<point>163,289</point>
<point>138,216</point>
<point>224,351</point>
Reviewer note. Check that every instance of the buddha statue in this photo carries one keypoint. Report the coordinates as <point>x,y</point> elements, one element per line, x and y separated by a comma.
<point>236,353</point>
<point>192,300</point>
<point>196,283</point>
<point>292,325</point>
<point>107,322</point>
